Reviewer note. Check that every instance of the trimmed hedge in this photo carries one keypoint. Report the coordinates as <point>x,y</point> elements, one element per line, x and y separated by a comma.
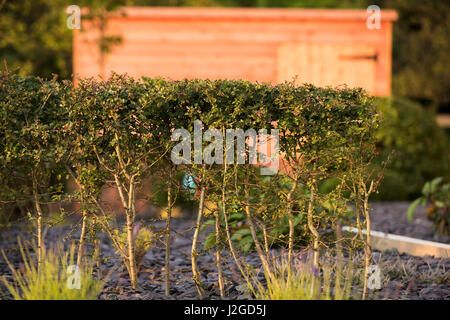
<point>48,125</point>
<point>118,133</point>
<point>31,123</point>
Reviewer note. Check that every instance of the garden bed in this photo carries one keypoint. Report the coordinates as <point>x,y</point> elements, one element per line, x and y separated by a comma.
<point>119,133</point>
<point>403,276</point>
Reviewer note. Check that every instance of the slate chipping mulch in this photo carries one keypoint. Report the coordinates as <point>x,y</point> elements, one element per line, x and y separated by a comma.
<point>404,276</point>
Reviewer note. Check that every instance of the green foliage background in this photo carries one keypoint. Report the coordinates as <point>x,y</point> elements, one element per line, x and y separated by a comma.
<point>420,148</point>
<point>35,39</point>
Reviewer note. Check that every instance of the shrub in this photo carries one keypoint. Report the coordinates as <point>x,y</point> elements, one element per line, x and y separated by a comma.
<point>421,151</point>
<point>31,120</point>
<point>144,240</point>
<point>118,122</point>
<point>324,133</point>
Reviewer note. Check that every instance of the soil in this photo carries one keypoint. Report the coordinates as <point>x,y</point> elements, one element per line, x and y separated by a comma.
<point>403,276</point>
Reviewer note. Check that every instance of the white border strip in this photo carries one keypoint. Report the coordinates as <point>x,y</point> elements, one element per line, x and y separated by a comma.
<point>405,244</point>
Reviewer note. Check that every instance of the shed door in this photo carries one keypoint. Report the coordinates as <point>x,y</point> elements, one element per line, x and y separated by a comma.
<point>328,64</point>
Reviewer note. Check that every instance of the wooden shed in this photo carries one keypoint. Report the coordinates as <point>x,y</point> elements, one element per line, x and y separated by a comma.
<point>323,47</point>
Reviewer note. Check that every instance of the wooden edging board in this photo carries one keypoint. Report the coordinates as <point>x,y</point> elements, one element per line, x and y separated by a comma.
<point>417,247</point>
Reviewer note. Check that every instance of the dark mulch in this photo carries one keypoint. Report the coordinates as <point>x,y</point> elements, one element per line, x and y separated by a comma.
<point>404,276</point>
<point>391,217</point>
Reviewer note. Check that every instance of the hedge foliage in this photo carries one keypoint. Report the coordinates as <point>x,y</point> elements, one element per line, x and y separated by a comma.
<point>117,133</point>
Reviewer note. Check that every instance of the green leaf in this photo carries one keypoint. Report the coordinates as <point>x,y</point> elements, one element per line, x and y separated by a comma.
<point>426,189</point>
<point>240,233</point>
<point>236,216</point>
<point>412,208</point>
<point>298,218</point>
<point>246,245</point>
<point>210,241</point>
<point>435,182</point>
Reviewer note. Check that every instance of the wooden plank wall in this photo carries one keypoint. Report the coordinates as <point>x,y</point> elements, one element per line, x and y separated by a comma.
<point>234,43</point>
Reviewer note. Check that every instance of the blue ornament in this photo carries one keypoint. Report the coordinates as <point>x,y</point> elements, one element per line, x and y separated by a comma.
<point>188,183</point>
